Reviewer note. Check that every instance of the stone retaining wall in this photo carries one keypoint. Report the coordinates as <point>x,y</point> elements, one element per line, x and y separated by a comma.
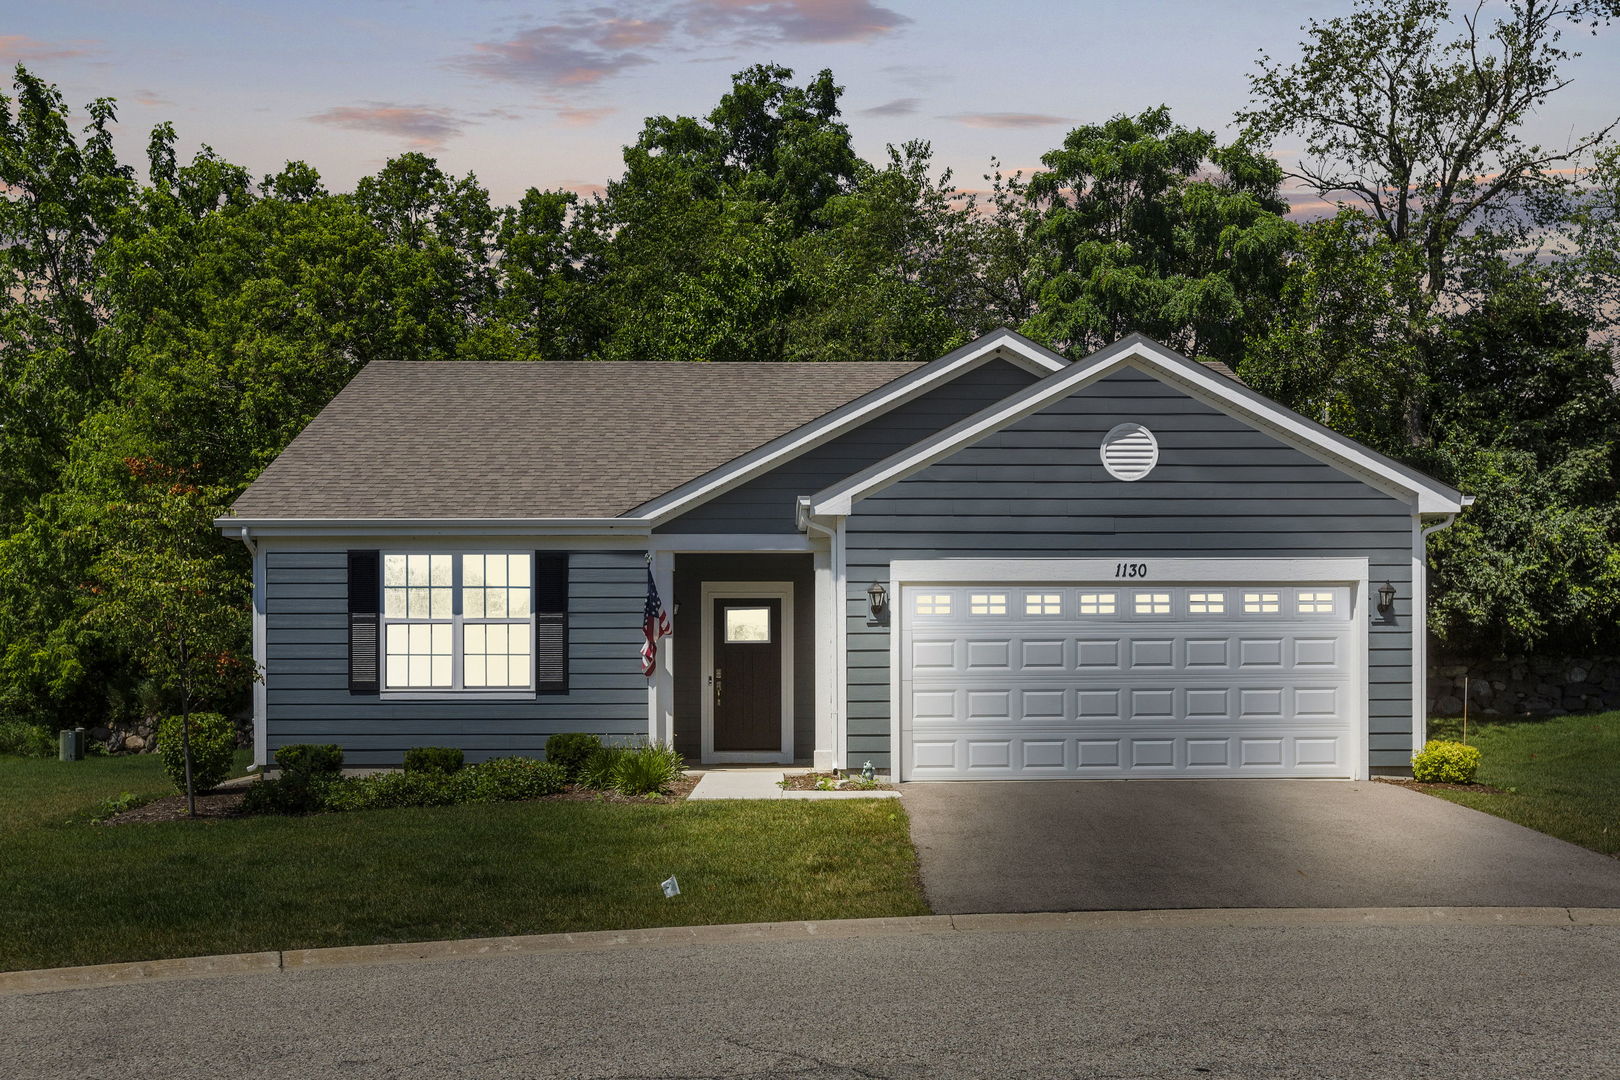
<point>1525,685</point>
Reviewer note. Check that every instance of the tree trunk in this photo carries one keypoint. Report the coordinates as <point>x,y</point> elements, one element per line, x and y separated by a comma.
<point>185,728</point>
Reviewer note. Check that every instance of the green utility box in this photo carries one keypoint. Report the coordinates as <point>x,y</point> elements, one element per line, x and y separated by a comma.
<point>70,745</point>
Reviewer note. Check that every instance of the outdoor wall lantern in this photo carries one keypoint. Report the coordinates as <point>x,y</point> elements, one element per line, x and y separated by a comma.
<point>877,604</point>
<point>1386,598</point>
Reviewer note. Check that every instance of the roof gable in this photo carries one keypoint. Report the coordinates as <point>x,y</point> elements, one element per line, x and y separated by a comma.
<point>1427,495</point>
<point>1004,345</point>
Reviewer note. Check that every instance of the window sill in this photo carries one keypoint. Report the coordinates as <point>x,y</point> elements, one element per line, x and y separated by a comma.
<point>457,695</point>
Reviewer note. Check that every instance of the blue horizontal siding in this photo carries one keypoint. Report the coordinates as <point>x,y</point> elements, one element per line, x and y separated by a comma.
<point>1037,489</point>
<point>306,678</point>
<point>769,503</point>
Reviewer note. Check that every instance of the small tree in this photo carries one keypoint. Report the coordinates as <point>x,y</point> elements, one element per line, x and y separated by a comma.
<point>172,593</point>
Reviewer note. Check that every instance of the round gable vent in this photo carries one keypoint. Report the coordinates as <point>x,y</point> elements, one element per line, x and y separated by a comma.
<point>1129,451</point>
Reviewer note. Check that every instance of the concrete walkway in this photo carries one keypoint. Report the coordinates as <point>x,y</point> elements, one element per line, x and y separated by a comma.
<point>757,783</point>
<point>1139,845</point>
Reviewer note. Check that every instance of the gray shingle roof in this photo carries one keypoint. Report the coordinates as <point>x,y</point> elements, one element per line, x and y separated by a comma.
<point>546,439</point>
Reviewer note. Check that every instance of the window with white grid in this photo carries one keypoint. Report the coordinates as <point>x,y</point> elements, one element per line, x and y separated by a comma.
<point>1260,603</point>
<point>458,621</point>
<point>1206,603</point>
<point>1043,603</point>
<point>931,604</point>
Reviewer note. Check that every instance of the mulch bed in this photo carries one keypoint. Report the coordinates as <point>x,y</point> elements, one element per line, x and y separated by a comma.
<point>1484,789</point>
<point>807,782</point>
<point>228,804</point>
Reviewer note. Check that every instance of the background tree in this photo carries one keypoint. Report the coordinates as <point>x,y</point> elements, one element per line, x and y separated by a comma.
<point>59,199</point>
<point>1132,236</point>
<point>1420,120</point>
<point>1452,313</point>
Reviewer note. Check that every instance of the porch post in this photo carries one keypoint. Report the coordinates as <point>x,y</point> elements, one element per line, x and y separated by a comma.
<point>826,618</point>
<point>661,698</point>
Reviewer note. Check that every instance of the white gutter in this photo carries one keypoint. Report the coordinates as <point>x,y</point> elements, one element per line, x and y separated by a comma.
<point>245,535</point>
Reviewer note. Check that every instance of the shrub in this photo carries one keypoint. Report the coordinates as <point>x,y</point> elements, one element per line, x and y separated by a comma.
<point>294,793</point>
<point>311,759</point>
<point>1443,762</point>
<point>570,750</point>
<point>511,778</point>
<point>391,791</point>
<point>213,743</point>
<point>648,770</point>
<point>26,740</point>
<point>601,769</point>
<point>434,759</point>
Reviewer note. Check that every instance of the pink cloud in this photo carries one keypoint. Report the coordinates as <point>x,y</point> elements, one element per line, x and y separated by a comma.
<point>1006,119</point>
<point>23,47</point>
<point>822,21</point>
<point>574,51</point>
<point>424,126</point>
<point>898,107</point>
<point>584,117</point>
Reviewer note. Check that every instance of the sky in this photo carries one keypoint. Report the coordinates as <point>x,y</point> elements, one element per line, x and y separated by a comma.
<point>543,94</point>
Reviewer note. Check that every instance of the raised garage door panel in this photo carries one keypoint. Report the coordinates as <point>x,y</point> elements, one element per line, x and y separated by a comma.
<point>1108,680</point>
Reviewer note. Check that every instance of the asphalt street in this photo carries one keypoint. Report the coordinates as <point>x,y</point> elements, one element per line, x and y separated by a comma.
<point>1274,1002</point>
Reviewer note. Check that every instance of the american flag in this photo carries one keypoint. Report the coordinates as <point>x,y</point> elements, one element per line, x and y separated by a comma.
<point>654,625</point>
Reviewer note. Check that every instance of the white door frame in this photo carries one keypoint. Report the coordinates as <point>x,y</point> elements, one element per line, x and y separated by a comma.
<point>1352,572</point>
<point>764,590</point>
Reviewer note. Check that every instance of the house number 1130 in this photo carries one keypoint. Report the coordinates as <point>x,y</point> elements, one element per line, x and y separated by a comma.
<point>1130,569</point>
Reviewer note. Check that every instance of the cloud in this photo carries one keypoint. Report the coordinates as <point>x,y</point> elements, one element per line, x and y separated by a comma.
<point>815,21</point>
<point>23,47</point>
<point>1006,119</point>
<point>573,52</point>
<point>897,107</point>
<point>150,97</point>
<point>425,126</point>
<point>584,46</point>
<point>582,117</point>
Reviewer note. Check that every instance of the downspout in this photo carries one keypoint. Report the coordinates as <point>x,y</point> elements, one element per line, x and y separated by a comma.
<point>1420,638</point>
<point>245,534</point>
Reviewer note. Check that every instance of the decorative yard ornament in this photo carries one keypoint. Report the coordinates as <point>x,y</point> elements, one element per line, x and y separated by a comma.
<point>868,772</point>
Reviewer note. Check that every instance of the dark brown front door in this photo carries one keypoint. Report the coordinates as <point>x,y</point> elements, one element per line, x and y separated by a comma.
<point>747,678</point>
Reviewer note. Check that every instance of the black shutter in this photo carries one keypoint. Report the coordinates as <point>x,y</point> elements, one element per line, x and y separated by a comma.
<point>551,622</point>
<point>365,589</point>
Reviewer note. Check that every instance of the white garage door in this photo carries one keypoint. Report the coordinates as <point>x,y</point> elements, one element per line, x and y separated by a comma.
<point>1026,681</point>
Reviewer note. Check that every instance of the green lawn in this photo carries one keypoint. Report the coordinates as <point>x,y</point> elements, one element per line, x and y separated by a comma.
<point>1561,776</point>
<point>75,893</point>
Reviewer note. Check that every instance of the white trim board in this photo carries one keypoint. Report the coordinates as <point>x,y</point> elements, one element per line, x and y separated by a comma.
<point>768,590</point>
<point>972,571</point>
<point>1353,572</point>
<point>1424,493</point>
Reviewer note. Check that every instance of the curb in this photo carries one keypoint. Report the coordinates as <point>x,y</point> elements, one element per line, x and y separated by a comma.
<point>48,980</point>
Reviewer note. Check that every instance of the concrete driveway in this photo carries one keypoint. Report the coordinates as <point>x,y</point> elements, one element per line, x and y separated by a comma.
<point>1117,845</point>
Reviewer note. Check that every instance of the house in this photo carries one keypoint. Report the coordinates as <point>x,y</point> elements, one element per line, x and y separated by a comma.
<point>998,565</point>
